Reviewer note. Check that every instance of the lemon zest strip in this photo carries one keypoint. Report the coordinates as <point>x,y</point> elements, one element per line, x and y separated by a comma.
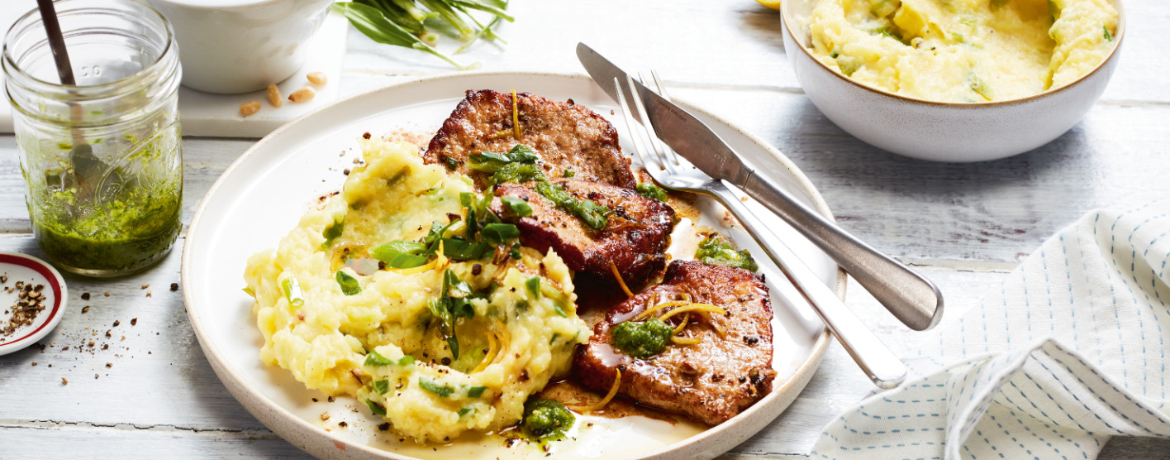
<point>685,340</point>
<point>621,282</point>
<point>489,356</point>
<point>515,117</point>
<point>673,303</point>
<point>686,320</point>
<point>617,383</point>
<point>694,307</point>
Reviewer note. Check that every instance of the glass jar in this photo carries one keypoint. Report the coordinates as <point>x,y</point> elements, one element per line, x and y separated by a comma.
<point>102,158</point>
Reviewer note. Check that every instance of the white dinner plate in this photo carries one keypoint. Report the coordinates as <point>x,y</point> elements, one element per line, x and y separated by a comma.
<point>262,196</point>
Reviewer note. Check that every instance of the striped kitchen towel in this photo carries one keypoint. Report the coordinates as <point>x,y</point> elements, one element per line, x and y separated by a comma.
<point>1071,351</point>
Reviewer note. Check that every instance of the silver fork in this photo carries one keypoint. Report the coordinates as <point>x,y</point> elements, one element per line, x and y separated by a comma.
<point>675,173</point>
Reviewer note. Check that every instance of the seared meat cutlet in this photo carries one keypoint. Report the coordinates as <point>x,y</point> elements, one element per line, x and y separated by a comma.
<point>634,238</point>
<point>711,381</point>
<point>565,135</point>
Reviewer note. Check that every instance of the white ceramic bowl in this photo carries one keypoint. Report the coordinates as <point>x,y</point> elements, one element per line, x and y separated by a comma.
<point>238,46</point>
<point>937,131</point>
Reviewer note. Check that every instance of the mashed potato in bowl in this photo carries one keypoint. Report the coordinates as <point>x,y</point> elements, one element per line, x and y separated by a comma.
<point>964,51</point>
<point>436,349</point>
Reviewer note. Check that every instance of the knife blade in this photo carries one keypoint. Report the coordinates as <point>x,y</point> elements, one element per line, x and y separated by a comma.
<point>912,298</point>
<point>687,135</point>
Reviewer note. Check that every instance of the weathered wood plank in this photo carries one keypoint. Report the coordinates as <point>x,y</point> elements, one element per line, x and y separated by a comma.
<point>41,441</point>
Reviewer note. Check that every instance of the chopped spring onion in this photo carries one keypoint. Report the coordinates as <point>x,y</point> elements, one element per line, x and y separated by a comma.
<point>496,234</point>
<point>517,173</point>
<point>440,390</point>
<point>517,206</point>
<point>401,254</point>
<point>592,214</point>
<point>491,162</point>
<point>292,291</point>
<point>376,408</point>
<point>349,285</point>
<point>381,386</point>
<point>374,358</point>
<point>533,285</point>
<point>463,250</point>
<point>332,232</point>
<point>475,391</point>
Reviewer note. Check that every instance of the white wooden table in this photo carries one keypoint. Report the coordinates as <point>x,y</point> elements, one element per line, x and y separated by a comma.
<point>964,226</point>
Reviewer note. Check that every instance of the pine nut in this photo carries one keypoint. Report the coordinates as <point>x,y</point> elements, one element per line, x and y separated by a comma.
<point>274,96</point>
<point>249,108</point>
<point>317,78</point>
<point>302,95</point>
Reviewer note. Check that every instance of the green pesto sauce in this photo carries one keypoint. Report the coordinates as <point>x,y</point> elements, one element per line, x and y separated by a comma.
<point>546,419</point>
<point>715,250</point>
<point>125,233</point>
<point>642,339</point>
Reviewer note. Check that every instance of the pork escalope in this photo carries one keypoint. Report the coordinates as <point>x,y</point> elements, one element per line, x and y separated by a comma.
<point>566,136</point>
<point>634,238</point>
<point>711,381</point>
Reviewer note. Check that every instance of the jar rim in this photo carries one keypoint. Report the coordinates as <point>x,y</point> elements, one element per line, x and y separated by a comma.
<point>32,19</point>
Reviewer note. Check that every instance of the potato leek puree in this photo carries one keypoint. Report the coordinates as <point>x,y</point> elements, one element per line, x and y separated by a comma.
<point>963,50</point>
<point>343,325</point>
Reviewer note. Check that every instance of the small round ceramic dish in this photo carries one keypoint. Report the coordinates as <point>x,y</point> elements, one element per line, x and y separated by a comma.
<point>15,267</point>
<point>938,131</point>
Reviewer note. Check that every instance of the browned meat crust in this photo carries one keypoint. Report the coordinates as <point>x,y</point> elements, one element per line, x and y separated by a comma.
<point>565,135</point>
<point>711,381</point>
<point>634,238</point>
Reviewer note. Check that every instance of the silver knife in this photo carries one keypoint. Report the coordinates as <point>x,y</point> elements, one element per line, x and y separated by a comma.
<point>912,298</point>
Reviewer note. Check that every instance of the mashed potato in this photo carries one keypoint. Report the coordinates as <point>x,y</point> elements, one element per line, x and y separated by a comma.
<point>386,344</point>
<point>963,50</point>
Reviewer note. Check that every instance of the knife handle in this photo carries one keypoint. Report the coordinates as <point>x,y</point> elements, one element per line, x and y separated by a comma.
<point>880,364</point>
<point>912,298</point>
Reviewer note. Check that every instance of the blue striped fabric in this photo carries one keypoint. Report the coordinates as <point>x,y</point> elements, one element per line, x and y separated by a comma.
<point>1071,351</point>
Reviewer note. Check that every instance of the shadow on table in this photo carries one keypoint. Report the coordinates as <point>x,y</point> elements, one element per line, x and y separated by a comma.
<point>831,156</point>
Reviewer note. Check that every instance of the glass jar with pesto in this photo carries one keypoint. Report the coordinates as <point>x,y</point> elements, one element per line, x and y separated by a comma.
<point>102,157</point>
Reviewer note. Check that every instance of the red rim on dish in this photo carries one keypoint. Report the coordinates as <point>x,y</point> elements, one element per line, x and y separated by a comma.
<point>53,279</point>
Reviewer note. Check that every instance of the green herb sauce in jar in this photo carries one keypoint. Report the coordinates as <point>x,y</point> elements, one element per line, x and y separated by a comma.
<point>128,232</point>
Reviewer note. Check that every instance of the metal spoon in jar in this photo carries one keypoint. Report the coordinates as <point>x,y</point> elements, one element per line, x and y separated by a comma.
<point>87,167</point>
